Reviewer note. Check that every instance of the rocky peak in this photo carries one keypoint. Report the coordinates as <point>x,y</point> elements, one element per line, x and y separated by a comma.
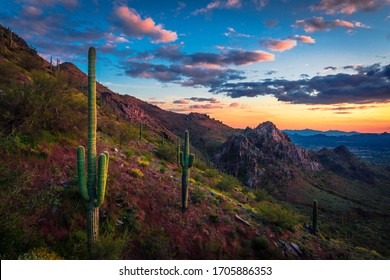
<point>264,152</point>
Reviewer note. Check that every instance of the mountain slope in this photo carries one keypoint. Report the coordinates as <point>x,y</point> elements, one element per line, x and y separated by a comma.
<point>43,120</point>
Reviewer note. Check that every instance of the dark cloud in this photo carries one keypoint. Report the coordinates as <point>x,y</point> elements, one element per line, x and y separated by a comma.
<point>331,68</point>
<point>181,101</point>
<point>271,72</point>
<point>232,57</point>
<point>202,99</point>
<point>206,106</point>
<point>182,74</point>
<point>348,6</point>
<point>343,108</point>
<point>369,85</point>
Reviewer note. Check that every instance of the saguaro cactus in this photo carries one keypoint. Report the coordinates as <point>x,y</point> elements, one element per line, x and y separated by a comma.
<point>315,216</point>
<point>140,131</point>
<point>93,189</point>
<point>186,162</point>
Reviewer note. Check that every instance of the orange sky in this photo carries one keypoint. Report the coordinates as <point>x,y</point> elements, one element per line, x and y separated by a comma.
<point>370,118</point>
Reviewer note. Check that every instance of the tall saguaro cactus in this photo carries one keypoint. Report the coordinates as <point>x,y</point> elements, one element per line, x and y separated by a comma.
<point>315,216</point>
<point>186,162</point>
<point>140,131</point>
<point>93,189</point>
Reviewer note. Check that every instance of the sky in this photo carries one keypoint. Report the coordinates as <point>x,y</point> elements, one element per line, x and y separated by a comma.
<point>320,64</point>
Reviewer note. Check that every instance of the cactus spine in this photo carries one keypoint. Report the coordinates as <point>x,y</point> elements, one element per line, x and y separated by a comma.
<point>315,216</point>
<point>186,162</point>
<point>140,131</point>
<point>93,189</point>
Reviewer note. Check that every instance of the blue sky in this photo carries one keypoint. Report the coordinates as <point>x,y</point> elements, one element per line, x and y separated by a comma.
<point>253,57</point>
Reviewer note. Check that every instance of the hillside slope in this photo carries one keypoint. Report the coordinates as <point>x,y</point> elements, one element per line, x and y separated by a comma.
<point>42,216</point>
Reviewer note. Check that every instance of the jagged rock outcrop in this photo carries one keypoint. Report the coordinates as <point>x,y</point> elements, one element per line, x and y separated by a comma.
<point>262,153</point>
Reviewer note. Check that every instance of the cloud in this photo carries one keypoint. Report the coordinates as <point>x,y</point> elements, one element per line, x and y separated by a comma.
<point>304,39</point>
<point>233,33</point>
<point>271,22</point>
<point>185,75</point>
<point>155,101</point>
<point>343,108</point>
<point>348,6</point>
<point>181,101</point>
<point>30,11</point>
<point>278,45</point>
<point>271,72</point>
<point>202,99</point>
<point>370,84</point>
<point>218,4</point>
<point>211,60</point>
<point>43,3</point>
<point>260,4</point>
<point>206,106</point>
<point>314,24</point>
<point>330,68</point>
<point>234,105</point>
<point>131,24</point>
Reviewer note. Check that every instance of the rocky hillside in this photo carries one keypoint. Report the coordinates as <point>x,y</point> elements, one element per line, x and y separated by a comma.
<point>264,152</point>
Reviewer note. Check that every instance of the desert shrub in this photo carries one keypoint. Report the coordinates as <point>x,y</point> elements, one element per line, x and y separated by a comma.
<point>200,164</point>
<point>167,152</point>
<point>228,183</point>
<point>211,173</point>
<point>260,243</point>
<point>136,172</point>
<point>198,195</point>
<point>261,194</point>
<point>277,215</point>
<point>110,246</point>
<point>40,254</point>
<point>155,244</point>
<point>74,247</point>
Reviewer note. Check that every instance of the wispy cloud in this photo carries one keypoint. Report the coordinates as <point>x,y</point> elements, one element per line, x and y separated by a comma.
<point>348,6</point>
<point>304,39</point>
<point>234,33</point>
<point>314,24</point>
<point>132,25</point>
<point>218,4</point>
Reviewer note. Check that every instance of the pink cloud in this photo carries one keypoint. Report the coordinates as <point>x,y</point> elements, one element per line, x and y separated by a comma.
<point>30,11</point>
<point>133,26</point>
<point>314,24</point>
<point>279,45</point>
<point>348,6</point>
<point>234,105</point>
<point>305,39</point>
<point>206,106</point>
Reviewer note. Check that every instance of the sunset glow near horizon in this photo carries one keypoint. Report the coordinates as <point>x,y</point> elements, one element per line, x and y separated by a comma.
<point>320,64</point>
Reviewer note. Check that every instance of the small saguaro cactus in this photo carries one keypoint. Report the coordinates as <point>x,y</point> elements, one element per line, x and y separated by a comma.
<point>315,216</point>
<point>140,131</point>
<point>51,63</point>
<point>92,189</point>
<point>186,162</point>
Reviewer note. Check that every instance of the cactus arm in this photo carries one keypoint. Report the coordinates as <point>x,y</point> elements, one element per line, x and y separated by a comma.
<point>81,173</point>
<point>106,169</point>
<point>101,179</point>
<point>191,160</point>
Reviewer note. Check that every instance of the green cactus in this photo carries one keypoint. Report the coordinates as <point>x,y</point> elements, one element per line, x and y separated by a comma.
<point>140,131</point>
<point>178,152</point>
<point>51,63</point>
<point>315,216</point>
<point>186,162</point>
<point>92,189</point>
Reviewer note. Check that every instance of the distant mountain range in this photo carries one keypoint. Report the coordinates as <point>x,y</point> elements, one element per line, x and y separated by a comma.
<point>311,132</point>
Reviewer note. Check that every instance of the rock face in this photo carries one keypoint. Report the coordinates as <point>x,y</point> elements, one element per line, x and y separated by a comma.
<point>264,152</point>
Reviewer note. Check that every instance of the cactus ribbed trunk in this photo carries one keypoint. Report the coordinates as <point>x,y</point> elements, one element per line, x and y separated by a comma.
<point>184,189</point>
<point>93,230</point>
